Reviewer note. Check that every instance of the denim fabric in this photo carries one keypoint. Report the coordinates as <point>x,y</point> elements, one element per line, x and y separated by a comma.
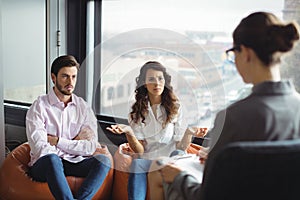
<point>177,152</point>
<point>53,170</point>
<point>137,181</point>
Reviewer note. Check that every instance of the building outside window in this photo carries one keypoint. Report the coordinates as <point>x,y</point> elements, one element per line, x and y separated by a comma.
<point>188,37</point>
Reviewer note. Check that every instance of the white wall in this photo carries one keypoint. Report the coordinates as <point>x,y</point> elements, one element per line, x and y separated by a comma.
<point>2,136</point>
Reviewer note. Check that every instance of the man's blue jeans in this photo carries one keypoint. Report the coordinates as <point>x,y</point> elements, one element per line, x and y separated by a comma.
<point>137,181</point>
<point>53,170</point>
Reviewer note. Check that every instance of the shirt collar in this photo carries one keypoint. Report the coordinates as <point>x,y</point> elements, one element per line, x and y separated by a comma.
<point>159,111</point>
<point>270,87</point>
<point>53,99</point>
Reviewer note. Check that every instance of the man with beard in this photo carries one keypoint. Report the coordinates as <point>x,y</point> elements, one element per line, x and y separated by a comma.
<point>62,133</point>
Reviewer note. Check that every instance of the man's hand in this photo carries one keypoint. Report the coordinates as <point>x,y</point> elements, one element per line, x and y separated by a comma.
<point>85,134</point>
<point>169,172</point>
<point>53,140</point>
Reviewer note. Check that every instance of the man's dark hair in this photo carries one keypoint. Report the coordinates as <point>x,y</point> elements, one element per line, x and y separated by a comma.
<point>63,61</point>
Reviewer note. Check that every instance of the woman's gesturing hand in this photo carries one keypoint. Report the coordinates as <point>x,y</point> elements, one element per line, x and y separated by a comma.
<point>120,129</point>
<point>198,132</point>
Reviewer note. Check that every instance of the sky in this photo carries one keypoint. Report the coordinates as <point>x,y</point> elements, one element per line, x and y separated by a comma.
<point>178,15</point>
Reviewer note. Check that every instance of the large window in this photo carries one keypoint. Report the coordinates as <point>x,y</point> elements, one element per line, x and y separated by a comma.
<point>24,49</point>
<point>188,37</point>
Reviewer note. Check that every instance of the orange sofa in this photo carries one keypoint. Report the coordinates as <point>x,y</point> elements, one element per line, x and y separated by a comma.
<point>122,161</point>
<point>16,184</point>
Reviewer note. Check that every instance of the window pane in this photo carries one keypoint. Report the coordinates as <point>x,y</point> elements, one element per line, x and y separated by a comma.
<point>24,49</point>
<point>188,37</point>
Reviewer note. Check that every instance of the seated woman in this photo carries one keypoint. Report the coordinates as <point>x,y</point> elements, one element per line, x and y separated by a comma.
<point>271,112</point>
<point>156,128</point>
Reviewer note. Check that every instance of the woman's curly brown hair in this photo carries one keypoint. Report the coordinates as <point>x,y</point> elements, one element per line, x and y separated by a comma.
<point>168,98</point>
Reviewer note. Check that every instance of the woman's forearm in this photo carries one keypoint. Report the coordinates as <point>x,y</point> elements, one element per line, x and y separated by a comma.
<point>134,143</point>
<point>185,141</point>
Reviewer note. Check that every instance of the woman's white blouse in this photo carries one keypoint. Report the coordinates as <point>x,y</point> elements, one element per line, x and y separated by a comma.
<point>159,140</point>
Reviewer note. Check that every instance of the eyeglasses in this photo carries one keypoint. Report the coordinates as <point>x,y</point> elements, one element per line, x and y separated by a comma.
<point>235,48</point>
<point>230,56</point>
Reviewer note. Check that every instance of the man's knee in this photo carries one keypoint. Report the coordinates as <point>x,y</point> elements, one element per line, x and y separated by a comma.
<point>51,160</point>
